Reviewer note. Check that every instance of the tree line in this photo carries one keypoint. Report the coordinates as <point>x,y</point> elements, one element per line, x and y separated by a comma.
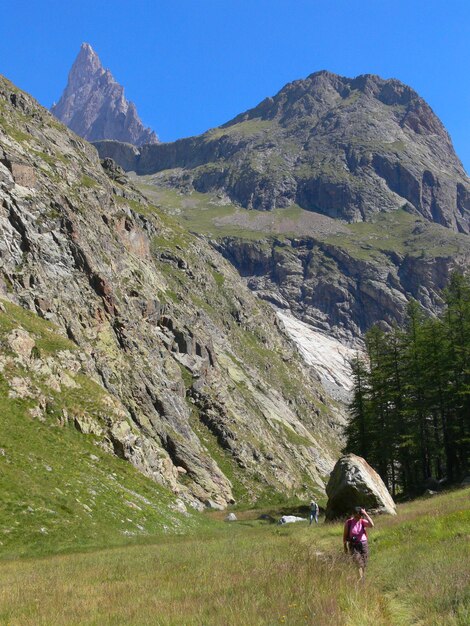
<point>410,410</point>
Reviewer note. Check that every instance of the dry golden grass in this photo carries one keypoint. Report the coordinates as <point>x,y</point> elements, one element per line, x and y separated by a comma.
<point>249,573</point>
<point>257,577</point>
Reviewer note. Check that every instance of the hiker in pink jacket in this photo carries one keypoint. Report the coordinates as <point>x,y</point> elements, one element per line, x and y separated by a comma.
<point>355,538</point>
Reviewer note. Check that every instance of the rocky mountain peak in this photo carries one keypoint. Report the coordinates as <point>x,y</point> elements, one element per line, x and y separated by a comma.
<point>94,105</point>
<point>323,92</point>
<point>86,64</point>
<point>346,148</point>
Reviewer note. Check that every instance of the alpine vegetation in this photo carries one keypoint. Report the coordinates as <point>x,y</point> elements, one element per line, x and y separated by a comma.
<point>410,414</point>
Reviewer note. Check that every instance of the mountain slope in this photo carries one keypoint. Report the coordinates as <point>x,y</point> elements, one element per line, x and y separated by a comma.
<point>216,403</point>
<point>61,486</point>
<point>345,148</point>
<point>93,104</point>
<point>363,203</point>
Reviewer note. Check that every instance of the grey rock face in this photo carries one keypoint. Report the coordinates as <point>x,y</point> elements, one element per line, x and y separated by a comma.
<point>352,483</point>
<point>93,104</point>
<point>334,290</point>
<point>192,361</point>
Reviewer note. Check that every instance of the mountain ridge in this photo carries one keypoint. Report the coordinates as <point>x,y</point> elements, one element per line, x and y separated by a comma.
<point>346,148</point>
<point>338,198</point>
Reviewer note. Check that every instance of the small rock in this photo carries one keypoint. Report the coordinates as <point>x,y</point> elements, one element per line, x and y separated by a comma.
<point>291,519</point>
<point>210,504</point>
<point>20,388</point>
<point>179,506</point>
<point>133,505</point>
<point>21,342</point>
<point>231,517</point>
<point>37,412</point>
<point>67,381</point>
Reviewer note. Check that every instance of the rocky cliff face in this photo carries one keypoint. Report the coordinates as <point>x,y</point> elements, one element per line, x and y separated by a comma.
<point>209,397</point>
<point>340,290</point>
<point>346,148</point>
<point>93,104</point>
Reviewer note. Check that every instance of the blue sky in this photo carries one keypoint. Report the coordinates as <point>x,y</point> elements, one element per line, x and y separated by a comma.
<point>190,65</point>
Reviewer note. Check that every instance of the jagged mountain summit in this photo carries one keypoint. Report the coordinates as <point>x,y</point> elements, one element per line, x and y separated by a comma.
<point>94,106</point>
<point>347,148</point>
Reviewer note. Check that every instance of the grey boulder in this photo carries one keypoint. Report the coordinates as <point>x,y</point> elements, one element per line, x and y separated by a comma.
<point>352,483</point>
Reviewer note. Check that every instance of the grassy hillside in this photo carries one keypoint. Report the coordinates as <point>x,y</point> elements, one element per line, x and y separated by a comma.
<point>59,489</point>
<point>252,572</point>
<point>394,232</point>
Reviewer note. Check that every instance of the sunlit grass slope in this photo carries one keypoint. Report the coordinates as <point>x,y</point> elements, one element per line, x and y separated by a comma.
<point>386,233</point>
<point>253,573</point>
<point>60,491</point>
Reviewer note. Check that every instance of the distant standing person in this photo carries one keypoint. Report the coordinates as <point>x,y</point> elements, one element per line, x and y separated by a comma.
<point>313,512</point>
<point>355,538</point>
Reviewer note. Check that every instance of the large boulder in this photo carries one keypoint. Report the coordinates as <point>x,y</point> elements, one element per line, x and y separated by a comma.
<point>352,483</point>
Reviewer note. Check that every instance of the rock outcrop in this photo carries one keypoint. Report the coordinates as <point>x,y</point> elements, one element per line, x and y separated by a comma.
<point>213,400</point>
<point>93,104</point>
<point>352,483</point>
<point>343,289</point>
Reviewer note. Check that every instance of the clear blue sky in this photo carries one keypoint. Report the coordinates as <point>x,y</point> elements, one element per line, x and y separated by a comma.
<point>190,65</point>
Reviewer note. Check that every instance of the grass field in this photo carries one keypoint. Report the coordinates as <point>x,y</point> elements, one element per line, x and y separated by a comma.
<point>254,573</point>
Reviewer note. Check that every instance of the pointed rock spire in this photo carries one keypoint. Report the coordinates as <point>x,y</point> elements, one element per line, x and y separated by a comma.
<point>94,106</point>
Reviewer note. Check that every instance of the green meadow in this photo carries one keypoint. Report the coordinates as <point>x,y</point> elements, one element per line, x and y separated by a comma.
<point>254,572</point>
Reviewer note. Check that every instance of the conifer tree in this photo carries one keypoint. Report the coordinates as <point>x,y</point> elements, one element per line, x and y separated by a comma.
<point>358,428</point>
<point>410,413</point>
